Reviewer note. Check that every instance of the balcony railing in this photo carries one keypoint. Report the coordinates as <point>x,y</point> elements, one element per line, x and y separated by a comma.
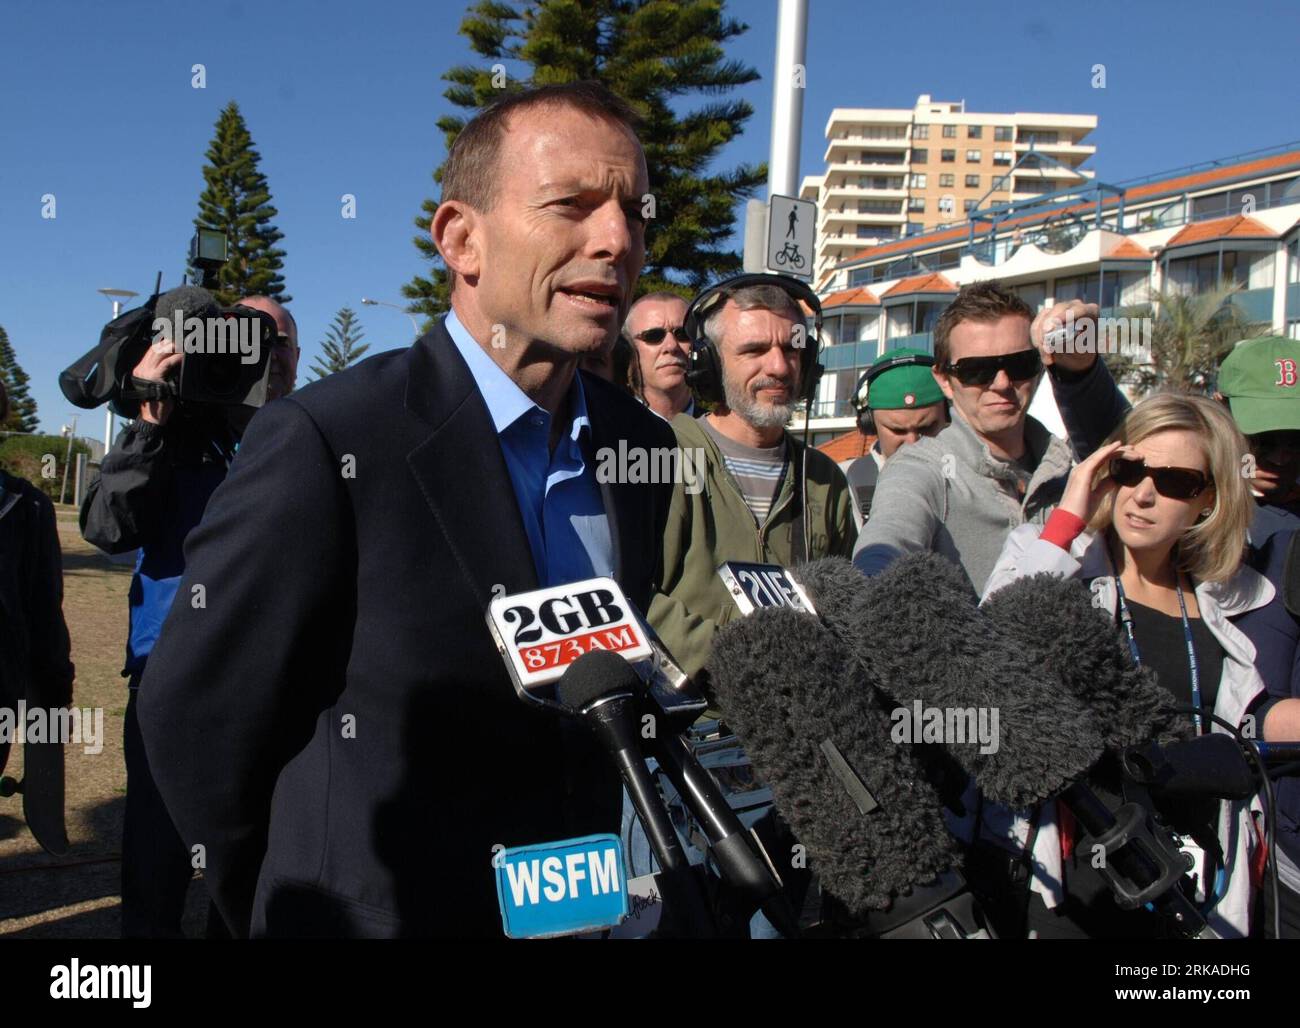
<point>1173,213</point>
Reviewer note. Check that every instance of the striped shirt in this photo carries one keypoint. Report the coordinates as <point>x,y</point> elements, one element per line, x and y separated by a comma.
<point>758,472</point>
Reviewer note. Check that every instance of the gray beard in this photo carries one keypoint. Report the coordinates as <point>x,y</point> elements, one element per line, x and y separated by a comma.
<point>760,415</point>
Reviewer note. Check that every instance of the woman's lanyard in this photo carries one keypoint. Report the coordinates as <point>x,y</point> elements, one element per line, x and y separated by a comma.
<point>1126,618</point>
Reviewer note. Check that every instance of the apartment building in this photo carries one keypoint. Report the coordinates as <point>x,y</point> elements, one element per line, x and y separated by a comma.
<point>894,173</point>
<point>1232,220</point>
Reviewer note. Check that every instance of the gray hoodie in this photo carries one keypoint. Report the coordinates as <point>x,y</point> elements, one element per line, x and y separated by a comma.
<point>949,495</point>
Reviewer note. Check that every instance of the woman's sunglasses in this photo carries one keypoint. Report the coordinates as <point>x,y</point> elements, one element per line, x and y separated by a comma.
<point>655,335</point>
<point>982,371</point>
<point>1174,483</point>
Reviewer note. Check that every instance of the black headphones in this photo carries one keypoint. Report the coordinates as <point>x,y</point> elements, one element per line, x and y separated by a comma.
<point>861,401</point>
<point>704,365</point>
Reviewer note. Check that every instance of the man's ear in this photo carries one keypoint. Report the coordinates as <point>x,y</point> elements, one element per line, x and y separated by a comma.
<point>454,231</point>
<point>942,380</point>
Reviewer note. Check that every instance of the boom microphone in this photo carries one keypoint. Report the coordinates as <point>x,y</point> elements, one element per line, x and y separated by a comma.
<point>919,634</point>
<point>818,738</point>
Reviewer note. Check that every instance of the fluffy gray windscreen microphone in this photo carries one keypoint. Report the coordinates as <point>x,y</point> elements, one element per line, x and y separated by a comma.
<point>918,632</point>
<point>190,301</point>
<point>787,686</point>
<point>1054,622</point>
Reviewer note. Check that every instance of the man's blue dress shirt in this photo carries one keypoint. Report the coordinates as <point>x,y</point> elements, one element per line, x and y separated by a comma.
<point>559,499</point>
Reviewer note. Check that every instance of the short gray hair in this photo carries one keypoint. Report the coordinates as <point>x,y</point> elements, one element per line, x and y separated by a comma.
<point>755,298</point>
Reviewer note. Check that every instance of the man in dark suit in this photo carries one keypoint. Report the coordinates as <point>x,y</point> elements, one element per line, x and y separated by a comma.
<point>326,712</point>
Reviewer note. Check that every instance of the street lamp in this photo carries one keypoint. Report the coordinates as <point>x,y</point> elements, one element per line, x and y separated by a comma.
<point>117,296</point>
<point>397,307</point>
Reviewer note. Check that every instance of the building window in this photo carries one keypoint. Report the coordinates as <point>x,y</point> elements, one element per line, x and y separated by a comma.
<point>918,180</point>
<point>945,181</point>
<point>1001,156</point>
<point>1045,138</point>
<point>950,132</point>
<point>1000,182</point>
<point>1033,293</point>
<point>972,157</point>
<point>882,132</point>
<point>920,131</point>
<point>945,205</point>
<point>972,182</point>
<point>947,156</point>
<point>967,206</point>
<point>1003,133</point>
<point>920,156</point>
<point>974,131</point>
<point>916,203</point>
<point>1080,287</point>
<point>1124,289</point>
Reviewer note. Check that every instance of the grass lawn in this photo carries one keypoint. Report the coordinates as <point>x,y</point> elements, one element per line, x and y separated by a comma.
<point>77,895</point>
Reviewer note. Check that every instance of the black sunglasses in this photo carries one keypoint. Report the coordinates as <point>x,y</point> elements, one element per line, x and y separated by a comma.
<point>1175,483</point>
<point>655,335</point>
<point>982,371</point>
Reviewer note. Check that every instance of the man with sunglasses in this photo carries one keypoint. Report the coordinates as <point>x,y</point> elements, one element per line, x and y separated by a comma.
<point>655,325</point>
<point>153,487</point>
<point>961,492</point>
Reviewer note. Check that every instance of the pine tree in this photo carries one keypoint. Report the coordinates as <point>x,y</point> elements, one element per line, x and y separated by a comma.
<point>237,201</point>
<point>340,345</point>
<point>651,53</point>
<point>22,408</point>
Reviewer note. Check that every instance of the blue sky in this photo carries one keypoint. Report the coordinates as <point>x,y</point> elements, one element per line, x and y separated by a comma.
<point>96,107</point>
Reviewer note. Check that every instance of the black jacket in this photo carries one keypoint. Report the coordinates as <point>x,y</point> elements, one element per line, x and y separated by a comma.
<point>151,491</point>
<point>329,717</point>
<point>34,644</point>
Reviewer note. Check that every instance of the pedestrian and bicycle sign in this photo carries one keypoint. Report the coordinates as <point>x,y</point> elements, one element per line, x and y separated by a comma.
<point>791,231</point>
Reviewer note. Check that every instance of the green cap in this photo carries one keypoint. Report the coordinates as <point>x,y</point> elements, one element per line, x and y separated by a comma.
<point>1261,379</point>
<point>904,386</point>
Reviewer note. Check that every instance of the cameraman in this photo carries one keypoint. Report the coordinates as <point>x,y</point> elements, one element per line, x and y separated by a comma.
<point>152,490</point>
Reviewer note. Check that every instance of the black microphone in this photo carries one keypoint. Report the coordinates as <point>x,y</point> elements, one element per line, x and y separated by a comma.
<point>730,843</point>
<point>604,690</point>
<point>816,735</point>
<point>919,634</point>
<point>1211,765</point>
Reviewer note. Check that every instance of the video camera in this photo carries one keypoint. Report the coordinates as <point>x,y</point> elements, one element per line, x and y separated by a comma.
<point>226,350</point>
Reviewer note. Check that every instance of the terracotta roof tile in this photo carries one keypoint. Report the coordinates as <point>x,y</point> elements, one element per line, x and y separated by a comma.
<point>848,446</point>
<point>1127,250</point>
<point>1201,179</point>
<point>861,296</point>
<point>1237,227</point>
<point>931,283</point>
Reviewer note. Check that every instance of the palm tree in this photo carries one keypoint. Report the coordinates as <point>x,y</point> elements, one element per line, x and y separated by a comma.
<point>1190,333</point>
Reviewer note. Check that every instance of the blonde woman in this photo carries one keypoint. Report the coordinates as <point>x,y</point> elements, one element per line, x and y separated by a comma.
<point>1155,524</point>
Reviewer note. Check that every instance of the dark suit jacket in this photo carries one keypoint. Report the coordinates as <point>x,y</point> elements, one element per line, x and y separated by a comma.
<point>327,715</point>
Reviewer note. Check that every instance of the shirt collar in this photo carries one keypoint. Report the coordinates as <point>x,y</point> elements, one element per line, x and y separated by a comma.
<point>506,402</point>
